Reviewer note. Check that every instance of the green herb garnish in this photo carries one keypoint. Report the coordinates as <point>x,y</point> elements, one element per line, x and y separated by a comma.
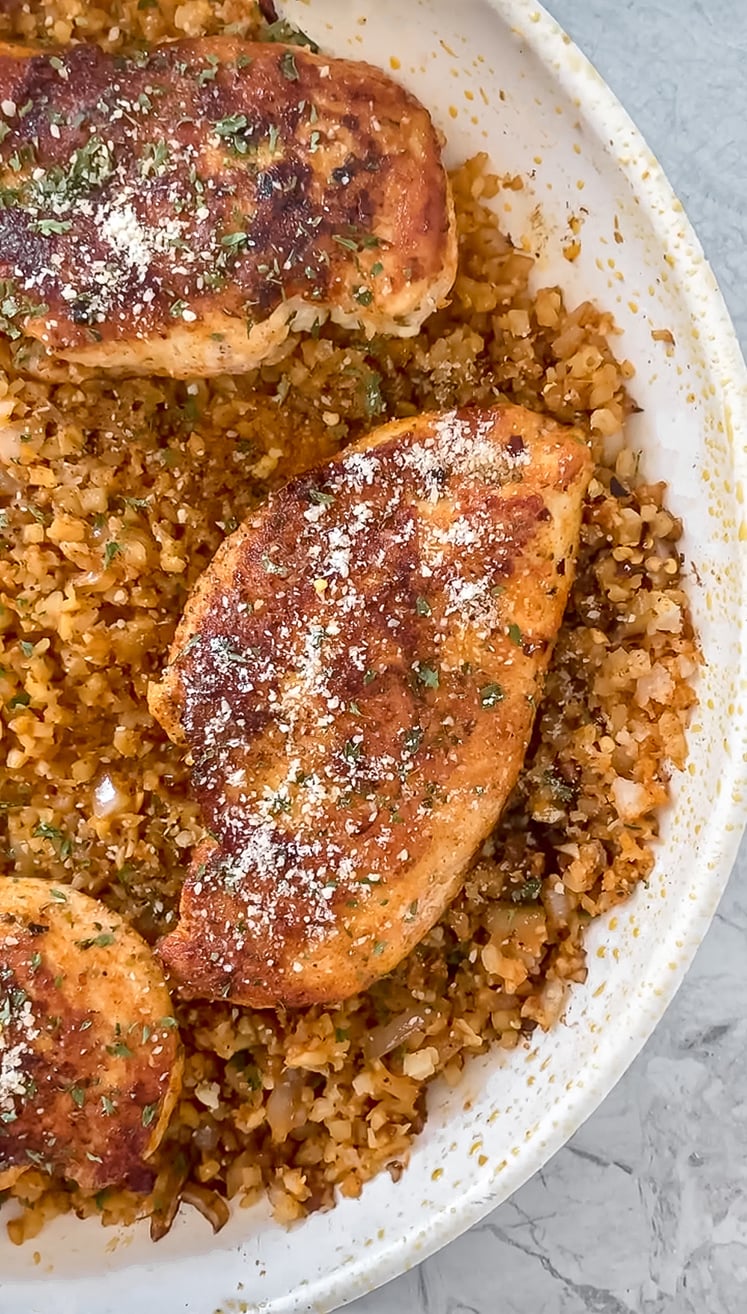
<point>97,941</point>
<point>42,830</point>
<point>155,156</point>
<point>427,675</point>
<point>413,738</point>
<point>320,498</point>
<point>271,567</point>
<point>491,695</point>
<point>232,129</point>
<point>14,307</point>
<point>233,240</point>
<point>288,66</point>
<point>119,1050</point>
<point>528,892</point>
<point>210,73</point>
<point>50,227</point>
<point>284,33</point>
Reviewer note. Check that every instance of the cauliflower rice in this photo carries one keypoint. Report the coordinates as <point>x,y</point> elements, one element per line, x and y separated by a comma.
<point>116,493</point>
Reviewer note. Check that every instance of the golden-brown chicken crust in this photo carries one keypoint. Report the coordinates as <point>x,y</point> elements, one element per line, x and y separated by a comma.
<point>355,677</point>
<point>180,211</point>
<point>90,1057</point>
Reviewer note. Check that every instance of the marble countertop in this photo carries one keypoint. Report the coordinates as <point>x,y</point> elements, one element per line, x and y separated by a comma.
<point>645,1210</point>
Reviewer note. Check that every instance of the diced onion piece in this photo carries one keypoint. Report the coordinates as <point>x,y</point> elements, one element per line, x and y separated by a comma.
<point>389,1035</point>
<point>211,1205</point>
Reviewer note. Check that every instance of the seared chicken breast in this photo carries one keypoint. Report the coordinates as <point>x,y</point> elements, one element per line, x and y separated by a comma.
<point>355,678</point>
<point>182,210</point>
<point>90,1057</point>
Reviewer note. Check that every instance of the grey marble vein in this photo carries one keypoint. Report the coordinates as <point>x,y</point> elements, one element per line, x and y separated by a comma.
<point>645,1211</point>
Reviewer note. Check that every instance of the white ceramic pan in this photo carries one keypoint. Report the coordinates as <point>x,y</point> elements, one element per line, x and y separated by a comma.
<point>499,76</point>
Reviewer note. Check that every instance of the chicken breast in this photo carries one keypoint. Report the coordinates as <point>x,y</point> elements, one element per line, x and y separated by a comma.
<point>90,1057</point>
<point>355,677</point>
<point>182,210</point>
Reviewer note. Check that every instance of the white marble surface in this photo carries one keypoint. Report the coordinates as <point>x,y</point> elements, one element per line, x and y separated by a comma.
<point>645,1211</point>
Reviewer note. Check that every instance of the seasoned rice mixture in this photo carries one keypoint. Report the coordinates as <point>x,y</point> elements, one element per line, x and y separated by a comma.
<point>115,496</point>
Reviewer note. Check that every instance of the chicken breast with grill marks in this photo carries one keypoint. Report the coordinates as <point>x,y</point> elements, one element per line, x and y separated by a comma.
<point>355,677</point>
<point>90,1057</point>
<point>182,210</point>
